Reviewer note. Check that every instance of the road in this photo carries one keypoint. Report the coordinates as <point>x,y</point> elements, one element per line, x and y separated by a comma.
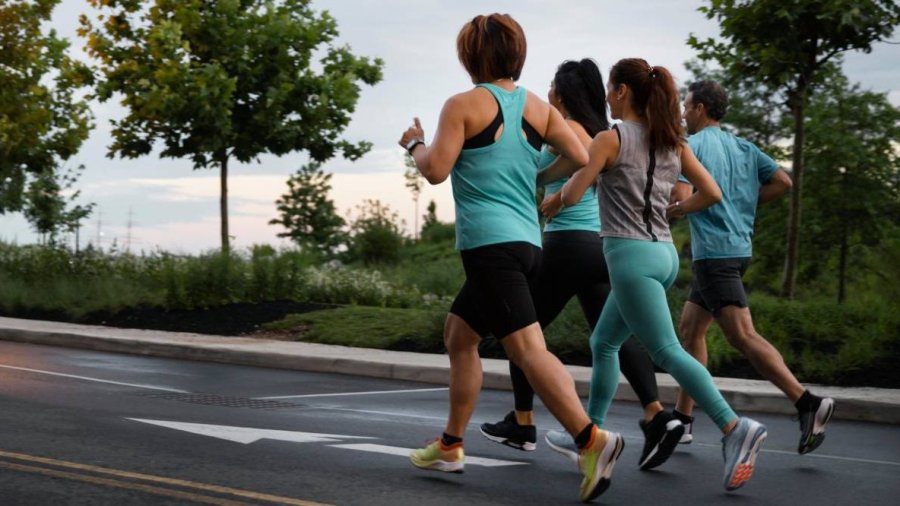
<point>90,428</point>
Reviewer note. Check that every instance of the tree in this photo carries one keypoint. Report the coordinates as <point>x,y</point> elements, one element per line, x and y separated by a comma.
<point>376,233</point>
<point>216,81</point>
<point>414,182</point>
<point>307,213</point>
<point>854,172</point>
<point>785,44</point>
<point>41,120</point>
<point>47,204</point>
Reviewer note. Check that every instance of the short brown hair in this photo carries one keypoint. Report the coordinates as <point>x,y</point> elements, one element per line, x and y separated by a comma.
<point>492,47</point>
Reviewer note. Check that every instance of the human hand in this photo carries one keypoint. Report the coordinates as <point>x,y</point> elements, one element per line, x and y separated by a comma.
<point>552,205</point>
<point>411,133</point>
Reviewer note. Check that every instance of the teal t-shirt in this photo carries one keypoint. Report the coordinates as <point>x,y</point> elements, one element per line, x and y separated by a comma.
<point>725,230</point>
<point>585,215</point>
<point>494,185</point>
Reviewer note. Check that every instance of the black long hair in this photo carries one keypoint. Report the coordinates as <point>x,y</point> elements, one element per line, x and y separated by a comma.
<point>579,86</point>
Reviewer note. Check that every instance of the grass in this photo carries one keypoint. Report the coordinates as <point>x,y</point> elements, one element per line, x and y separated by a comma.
<point>418,330</point>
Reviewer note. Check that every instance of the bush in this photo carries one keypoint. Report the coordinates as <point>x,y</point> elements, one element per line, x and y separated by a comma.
<point>375,234</point>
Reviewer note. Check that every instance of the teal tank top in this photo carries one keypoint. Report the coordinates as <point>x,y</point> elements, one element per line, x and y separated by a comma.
<point>585,215</point>
<point>494,186</point>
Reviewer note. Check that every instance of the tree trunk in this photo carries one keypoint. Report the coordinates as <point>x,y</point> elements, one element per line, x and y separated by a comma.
<point>223,201</point>
<point>798,103</point>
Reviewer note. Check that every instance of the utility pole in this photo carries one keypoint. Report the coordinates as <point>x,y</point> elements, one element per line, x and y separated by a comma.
<point>128,236</point>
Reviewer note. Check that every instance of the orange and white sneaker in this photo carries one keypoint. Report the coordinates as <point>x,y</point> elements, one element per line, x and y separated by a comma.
<point>437,457</point>
<point>740,448</point>
<point>596,462</point>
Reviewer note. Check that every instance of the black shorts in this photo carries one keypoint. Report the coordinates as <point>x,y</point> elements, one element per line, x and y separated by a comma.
<point>717,283</point>
<point>497,297</point>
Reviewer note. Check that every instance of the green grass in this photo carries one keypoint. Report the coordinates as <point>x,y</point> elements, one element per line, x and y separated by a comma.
<point>368,327</point>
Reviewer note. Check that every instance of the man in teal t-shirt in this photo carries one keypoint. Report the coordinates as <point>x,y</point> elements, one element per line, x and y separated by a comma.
<point>721,244</point>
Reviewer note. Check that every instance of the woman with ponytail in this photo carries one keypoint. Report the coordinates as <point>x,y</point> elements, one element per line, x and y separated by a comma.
<point>637,163</point>
<point>570,268</point>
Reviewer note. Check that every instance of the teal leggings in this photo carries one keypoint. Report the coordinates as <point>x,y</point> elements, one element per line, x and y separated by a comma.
<point>640,273</point>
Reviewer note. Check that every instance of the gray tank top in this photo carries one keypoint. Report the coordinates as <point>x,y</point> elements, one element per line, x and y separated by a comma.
<point>635,191</point>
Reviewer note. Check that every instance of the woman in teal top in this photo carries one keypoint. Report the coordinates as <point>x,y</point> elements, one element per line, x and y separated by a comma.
<point>488,141</point>
<point>637,165</point>
<point>572,265</point>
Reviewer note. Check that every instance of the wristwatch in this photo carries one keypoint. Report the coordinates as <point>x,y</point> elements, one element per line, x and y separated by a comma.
<point>411,145</point>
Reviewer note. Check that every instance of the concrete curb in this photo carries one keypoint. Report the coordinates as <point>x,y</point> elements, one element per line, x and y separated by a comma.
<point>866,404</point>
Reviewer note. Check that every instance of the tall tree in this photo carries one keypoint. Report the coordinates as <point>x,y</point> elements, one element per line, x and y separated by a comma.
<point>232,79</point>
<point>308,214</point>
<point>414,182</point>
<point>785,44</point>
<point>42,120</point>
<point>854,173</point>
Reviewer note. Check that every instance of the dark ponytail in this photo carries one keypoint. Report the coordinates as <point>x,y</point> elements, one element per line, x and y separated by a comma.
<point>655,98</point>
<point>579,85</point>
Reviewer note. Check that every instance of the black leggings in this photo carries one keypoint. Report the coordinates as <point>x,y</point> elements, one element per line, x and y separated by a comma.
<point>572,264</point>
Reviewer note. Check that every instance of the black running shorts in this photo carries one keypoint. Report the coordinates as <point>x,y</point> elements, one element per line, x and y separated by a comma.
<point>497,297</point>
<point>717,283</point>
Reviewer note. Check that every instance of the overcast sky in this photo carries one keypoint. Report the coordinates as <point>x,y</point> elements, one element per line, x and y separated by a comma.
<point>173,207</point>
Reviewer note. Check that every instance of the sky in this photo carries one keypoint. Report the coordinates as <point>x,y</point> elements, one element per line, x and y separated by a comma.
<point>153,203</point>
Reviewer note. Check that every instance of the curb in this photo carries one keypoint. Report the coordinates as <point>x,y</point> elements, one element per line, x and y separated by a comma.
<point>864,404</point>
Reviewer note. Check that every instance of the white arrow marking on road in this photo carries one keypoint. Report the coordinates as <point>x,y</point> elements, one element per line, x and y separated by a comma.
<point>396,450</point>
<point>248,435</point>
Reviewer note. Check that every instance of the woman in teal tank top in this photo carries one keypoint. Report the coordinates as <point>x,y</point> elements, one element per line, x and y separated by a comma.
<point>488,142</point>
<point>637,165</point>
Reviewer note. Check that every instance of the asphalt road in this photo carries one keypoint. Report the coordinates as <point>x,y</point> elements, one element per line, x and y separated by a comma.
<point>79,427</point>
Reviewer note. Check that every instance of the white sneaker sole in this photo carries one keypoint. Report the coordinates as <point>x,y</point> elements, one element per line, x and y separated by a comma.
<point>562,450</point>
<point>439,465</point>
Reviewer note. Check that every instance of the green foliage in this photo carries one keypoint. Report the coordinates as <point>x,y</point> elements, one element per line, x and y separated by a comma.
<point>417,330</point>
<point>376,236</point>
<point>308,214</point>
<point>212,81</point>
<point>48,199</point>
<point>336,284</point>
<point>786,44</point>
<point>41,121</point>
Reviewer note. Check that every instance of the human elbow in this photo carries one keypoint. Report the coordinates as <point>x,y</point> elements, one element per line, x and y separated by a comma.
<point>715,196</point>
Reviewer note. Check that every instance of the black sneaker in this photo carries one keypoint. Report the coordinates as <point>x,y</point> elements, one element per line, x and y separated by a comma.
<point>508,432</point>
<point>661,436</point>
<point>812,423</point>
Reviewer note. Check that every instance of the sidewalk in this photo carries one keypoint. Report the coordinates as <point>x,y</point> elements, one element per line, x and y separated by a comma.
<point>868,404</point>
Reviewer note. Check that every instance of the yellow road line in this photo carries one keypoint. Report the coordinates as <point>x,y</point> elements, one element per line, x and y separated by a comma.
<point>168,492</point>
<point>157,479</point>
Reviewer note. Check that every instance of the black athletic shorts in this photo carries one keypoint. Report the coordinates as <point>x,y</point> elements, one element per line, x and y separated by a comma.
<point>497,297</point>
<point>717,283</point>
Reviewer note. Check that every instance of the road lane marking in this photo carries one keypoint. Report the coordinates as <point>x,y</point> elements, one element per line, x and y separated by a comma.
<point>122,484</point>
<point>378,392</point>
<point>247,435</point>
<point>258,496</point>
<point>404,452</point>
<point>96,380</point>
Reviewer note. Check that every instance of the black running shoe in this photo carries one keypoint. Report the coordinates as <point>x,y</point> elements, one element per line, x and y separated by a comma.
<point>812,424</point>
<point>508,432</point>
<point>661,436</point>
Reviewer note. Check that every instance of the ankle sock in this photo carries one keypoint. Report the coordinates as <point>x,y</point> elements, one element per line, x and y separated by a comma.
<point>681,417</point>
<point>805,402</point>
<point>584,437</point>
<point>448,440</point>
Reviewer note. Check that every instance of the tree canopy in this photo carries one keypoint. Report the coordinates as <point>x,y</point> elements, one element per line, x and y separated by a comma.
<point>233,79</point>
